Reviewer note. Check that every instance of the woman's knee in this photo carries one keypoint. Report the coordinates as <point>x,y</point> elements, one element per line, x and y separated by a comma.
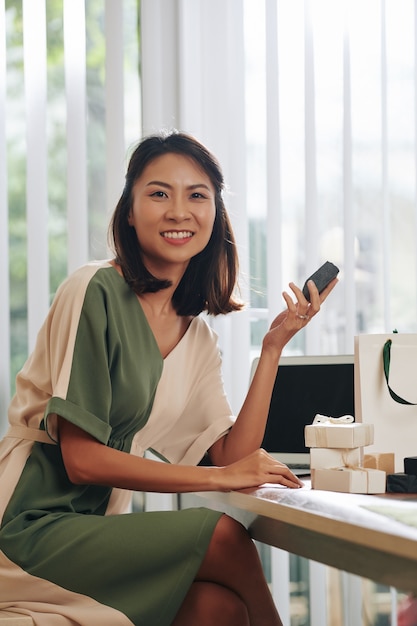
<point>209,604</point>
<point>230,556</point>
<point>230,535</point>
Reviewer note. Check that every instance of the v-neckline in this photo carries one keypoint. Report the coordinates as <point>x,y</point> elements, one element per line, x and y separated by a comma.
<point>182,338</point>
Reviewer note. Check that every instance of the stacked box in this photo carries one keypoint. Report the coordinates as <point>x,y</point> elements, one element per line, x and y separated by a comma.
<point>328,458</point>
<point>334,435</point>
<point>350,480</point>
<point>336,451</point>
<point>384,461</point>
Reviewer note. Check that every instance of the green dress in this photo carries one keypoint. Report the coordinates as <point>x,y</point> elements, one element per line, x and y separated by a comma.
<point>67,553</point>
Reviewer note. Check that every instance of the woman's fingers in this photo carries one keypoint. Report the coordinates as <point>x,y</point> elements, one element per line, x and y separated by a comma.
<point>259,468</point>
<point>281,473</point>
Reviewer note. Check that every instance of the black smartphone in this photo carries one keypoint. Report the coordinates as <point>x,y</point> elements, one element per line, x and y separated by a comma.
<point>321,277</point>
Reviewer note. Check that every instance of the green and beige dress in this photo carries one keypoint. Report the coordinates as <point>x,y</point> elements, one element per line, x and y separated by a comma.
<point>67,553</point>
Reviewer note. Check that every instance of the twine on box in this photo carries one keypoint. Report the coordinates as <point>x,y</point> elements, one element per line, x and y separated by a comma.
<point>321,438</point>
<point>323,420</point>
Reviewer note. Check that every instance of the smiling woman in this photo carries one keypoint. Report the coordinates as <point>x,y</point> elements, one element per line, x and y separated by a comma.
<point>124,364</point>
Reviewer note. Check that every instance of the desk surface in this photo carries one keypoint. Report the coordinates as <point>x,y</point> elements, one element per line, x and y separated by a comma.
<point>328,527</point>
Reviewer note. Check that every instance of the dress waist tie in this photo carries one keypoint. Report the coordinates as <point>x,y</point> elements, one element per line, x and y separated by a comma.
<point>32,434</point>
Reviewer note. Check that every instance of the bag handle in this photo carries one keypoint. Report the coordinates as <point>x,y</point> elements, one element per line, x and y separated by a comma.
<point>386,355</point>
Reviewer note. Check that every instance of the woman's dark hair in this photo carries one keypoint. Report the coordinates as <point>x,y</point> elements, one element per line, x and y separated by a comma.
<point>210,278</point>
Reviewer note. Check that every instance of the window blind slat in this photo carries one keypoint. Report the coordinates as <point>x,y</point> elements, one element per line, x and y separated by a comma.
<point>273,158</point>
<point>4,238</point>
<point>349,300</point>
<point>191,44</point>
<point>318,593</point>
<point>311,236</point>
<point>415,122</point>
<point>235,163</point>
<point>114,95</point>
<point>34,30</point>
<point>75,84</point>
<point>159,47</point>
<point>386,239</point>
<point>311,221</point>
<point>280,582</point>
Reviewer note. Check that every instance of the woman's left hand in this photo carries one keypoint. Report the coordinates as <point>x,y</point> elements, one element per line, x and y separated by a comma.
<point>296,316</point>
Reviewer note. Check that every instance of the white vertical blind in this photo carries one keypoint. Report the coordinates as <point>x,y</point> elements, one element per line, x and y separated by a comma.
<point>4,238</point>
<point>415,126</point>
<point>45,243</point>
<point>159,51</point>
<point>311,208</point>
<point>34,34</point>
<point>318,594</point>
<point>115,132</point>
<point>311,236</point>
<point>75,83</point>
<point>349,299</point>
<point>195,61</point>
<point>190,60</point>
<point>386,218</point>
<point>273,161</point>
<point>195,96</point>
<point>232,154</point>
<point>280,583</point>
<point>207,99</point>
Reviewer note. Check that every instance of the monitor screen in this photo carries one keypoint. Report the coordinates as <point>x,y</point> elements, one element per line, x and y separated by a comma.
<point>305,386</point>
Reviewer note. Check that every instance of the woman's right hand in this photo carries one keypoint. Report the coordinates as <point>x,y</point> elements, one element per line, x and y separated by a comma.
<point>254,470</point>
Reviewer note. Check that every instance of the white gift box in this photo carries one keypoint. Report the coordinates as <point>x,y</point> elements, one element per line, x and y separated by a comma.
<point>347,480</point>
<point>331,458</point>
<point>331,435</point>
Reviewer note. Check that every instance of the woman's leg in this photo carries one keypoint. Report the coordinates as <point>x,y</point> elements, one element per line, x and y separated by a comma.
<point>208,604</point>
<point>232,562</point>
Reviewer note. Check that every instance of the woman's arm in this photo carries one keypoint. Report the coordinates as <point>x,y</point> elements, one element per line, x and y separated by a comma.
<point>247,433</point>
<point>87,461</point>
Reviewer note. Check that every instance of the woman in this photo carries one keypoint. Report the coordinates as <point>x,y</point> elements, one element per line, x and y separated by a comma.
<point>124,364</point>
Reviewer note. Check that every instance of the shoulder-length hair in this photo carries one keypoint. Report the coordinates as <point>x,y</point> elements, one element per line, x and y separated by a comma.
<point>210,279</point>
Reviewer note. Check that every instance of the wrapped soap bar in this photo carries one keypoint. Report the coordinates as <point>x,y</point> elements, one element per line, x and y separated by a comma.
<point>401,483</point>
<point>332,458</point>
<point>384,461</point>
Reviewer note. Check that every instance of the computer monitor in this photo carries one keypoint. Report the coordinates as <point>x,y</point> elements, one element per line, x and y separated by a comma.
<point>305,386</point>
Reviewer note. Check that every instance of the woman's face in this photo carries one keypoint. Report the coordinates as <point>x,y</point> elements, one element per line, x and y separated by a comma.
<point>173,213</point>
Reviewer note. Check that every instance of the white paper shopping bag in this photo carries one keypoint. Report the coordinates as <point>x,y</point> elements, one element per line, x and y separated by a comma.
<point>391,406</point>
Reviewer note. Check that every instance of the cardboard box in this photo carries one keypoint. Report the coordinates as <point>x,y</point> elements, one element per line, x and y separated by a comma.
<point>384,461</point>
<point>332,458</point>
<point>348,480</point>
<point>353,435</point>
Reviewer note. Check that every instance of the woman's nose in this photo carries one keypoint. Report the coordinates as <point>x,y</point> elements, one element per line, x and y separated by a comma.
<point>177,210</point>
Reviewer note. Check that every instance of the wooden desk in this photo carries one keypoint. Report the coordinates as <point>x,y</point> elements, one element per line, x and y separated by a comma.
<point>328,527</point>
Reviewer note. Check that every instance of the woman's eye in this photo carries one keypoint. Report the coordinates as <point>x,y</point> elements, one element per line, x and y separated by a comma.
<point>197,195</point>
<point>158,194</point>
